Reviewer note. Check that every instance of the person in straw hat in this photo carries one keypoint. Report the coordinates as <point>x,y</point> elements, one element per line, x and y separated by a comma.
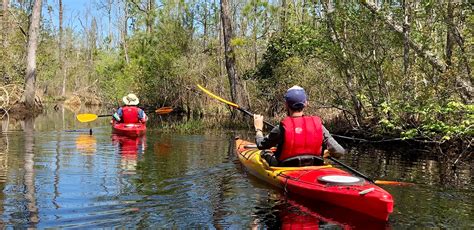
<point>130,113</point>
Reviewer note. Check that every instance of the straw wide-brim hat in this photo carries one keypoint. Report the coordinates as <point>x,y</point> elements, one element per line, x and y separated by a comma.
<point>131,99</point>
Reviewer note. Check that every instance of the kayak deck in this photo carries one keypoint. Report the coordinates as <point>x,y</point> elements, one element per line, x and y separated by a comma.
<point>324,183</point>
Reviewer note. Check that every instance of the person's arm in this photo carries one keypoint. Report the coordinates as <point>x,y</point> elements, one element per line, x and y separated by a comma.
<point>271,140</point>
<point>118,115</point>
<point>142,116</point>
<point>265,142</point>
<point>334,148</point>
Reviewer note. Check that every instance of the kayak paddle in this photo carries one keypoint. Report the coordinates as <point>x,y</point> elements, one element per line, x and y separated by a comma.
<point>229,103</point>
<point>331,158</point>
<point>88,117</point>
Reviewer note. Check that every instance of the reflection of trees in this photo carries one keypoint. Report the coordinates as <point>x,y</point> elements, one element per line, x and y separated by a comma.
<point>451,175</point>
<point>218,199</point>
<point>4,145</point>
<point>422,166</point>
<point>29,177</point>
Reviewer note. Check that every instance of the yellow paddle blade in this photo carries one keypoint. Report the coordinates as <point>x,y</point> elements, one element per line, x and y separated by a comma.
<point>389,182</point>
<point>217,97</point>
<point>86,117</point>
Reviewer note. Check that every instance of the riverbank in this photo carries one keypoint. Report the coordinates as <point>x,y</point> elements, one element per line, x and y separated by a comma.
<point>178,122</point>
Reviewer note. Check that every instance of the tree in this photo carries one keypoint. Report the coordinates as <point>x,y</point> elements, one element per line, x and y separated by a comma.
<point>343,62</point>
<point>406,36</point>
<point>60,48</point>
<point>236,89</point>
<point>5,25</point>
<point>5,31</point>
<point>124,30</point>
<point>33,32</point>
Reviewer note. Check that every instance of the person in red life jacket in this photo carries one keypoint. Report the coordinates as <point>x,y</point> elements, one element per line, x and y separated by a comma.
<point>300,139</point>
<point>130,113</point>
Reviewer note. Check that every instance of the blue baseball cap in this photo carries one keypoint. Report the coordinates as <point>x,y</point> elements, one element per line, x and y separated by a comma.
<point>295,97</point>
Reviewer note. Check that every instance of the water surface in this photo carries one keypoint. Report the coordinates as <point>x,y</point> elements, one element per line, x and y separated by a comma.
<point>54,174</point>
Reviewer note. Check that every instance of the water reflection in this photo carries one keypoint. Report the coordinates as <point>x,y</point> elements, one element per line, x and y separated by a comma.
<point>29,176</point>
<point>86,144</point>
<point>53,178</point>
<point>279,211</point>
<point>129,148</point>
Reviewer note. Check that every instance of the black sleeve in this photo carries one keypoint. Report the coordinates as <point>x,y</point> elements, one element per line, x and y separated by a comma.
<point>331,144</point>
<point>271,140</point>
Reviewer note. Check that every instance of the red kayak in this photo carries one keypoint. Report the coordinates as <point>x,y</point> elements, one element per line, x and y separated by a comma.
<point>129,129</point>
<point>319,183</point>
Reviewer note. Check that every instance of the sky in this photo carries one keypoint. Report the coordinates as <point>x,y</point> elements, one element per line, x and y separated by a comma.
<point>74,11</point>
<point>77,14</point>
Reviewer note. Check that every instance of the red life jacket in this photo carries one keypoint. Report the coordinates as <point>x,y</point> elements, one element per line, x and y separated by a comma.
<point>303,136</point>
<point>130,114</point>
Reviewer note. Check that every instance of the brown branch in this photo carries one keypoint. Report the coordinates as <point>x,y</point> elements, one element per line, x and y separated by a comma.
<point>138,6</point>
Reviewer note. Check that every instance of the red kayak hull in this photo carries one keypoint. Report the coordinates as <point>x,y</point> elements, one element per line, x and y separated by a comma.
<point>309,183</point>
<point>129,129</point>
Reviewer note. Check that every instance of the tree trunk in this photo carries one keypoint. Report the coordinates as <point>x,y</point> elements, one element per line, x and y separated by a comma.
<point>205,25</point>
<point>5,23</point>
<point>406,37</point>
<point>454,34</point>
<point>236,89</point>
<point>109,15</point>
<point>255,31</point>
<point>125,32</point>
<point>5,28</point>
<point>30,79</point>
<point>60,48</point>
<point>283,15</point>
<point>449,34</point>
<point>149,16</point>
<point>315,6</point>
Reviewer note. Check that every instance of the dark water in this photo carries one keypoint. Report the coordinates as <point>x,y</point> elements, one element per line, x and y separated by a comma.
<point>54,174</point>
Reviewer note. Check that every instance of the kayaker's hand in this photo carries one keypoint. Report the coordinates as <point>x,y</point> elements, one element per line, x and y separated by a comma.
<point>326,153</point>
<point>258,122</point>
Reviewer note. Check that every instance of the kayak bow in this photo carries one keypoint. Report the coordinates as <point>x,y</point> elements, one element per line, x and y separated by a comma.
<point>129,129</point>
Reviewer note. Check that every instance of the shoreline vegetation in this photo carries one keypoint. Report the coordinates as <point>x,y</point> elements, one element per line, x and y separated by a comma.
<point>380,72</point>
<point>452,151</point>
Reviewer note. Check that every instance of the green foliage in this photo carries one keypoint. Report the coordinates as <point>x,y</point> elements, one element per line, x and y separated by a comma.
<point>189,127</point>
<point>300,41</point>
<point>347,58</point>
<point>113,81</point>
<point>434,121</point>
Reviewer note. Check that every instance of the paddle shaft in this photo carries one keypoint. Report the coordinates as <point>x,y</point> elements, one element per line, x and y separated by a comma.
<point>351,169</point>
<point>109,115</point>
<point>251,114</point>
